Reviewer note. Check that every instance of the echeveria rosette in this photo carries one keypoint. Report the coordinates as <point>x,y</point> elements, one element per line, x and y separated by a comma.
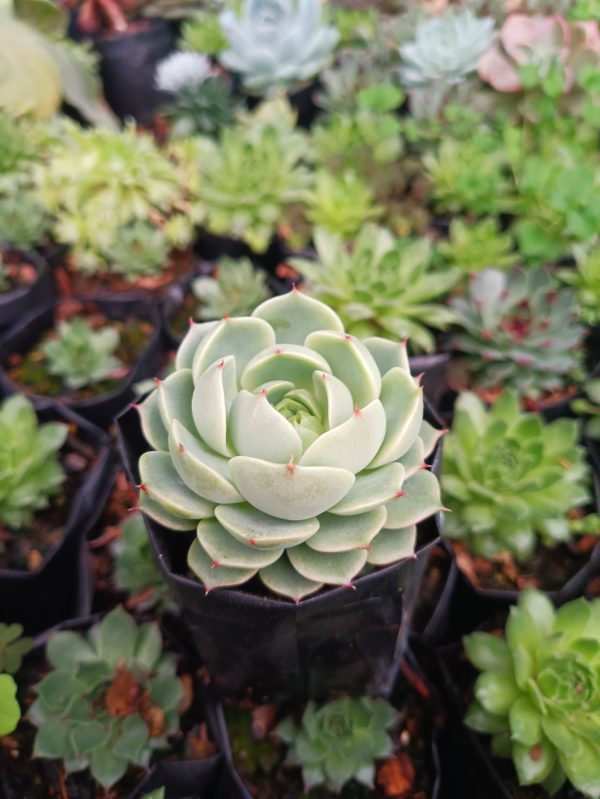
<point>539,692</point>
<point>509,477</point>
<point>295,450</point>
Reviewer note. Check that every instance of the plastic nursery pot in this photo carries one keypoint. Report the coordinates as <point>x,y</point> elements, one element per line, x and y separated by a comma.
<point>192,779</point>
<point>100,409</point>
<point>210,247</point>
<point>434,369</point>
<point>128,64</point>
<point>60,588</point>
<point>339,639</point>
<point>15,303</point>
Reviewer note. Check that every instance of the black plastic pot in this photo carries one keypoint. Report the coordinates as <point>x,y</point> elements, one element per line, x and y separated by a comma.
<point>15,304</point>
<point>191,779</point>
<point>60,588</point>
<point>340,639</point>
<point>302,101</point>
<point>434,369</point>
<point>128,64</point>
<point>103,408</point>
<point>211,246</point>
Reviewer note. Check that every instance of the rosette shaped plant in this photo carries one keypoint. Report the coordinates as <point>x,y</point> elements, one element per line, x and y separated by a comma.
<point>539,692</point>
<point>295,450</point>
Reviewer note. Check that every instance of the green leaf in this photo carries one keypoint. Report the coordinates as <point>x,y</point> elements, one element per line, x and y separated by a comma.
<point>337,568</point>
<point>44,15</point>
<point>52,740</point>
<point>107,767</point>
<point>294,315</point>
<point>66,649</point>
<point>496,692</point>
<point>524,720</point>
<point>166,691</point>
<point>533,763</point>
<point>228,551</point>
<point>165,487</point>
<point>117,637</point>
<point>341,533</point>
<point>10,712</point>
<point>392,545</point>
<point>422,499</point>
<point>488,652</point>
<point>132,740</point>
<point>86,735</point>
<point>283,579</point>
<point>148,645</point>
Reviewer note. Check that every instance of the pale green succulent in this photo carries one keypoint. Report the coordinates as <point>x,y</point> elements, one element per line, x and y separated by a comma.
<point>339,741</point>
<point>81,356</point>
<point>341,203</point>
<point>538,694</point>
<point>446,49</point>
<point>478,246</point>
<point>294,450</point>
<point>30,470</point>
<point>380,286</point>
<point>235,290</point>
<point>23,221</point>
<point>276,43</point>
<point>203,33</point>
<point>136,569</point>
<point>585,280</point>
<point>139,248</point>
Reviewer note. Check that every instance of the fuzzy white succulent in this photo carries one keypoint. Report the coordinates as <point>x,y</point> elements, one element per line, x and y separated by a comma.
<point>276,43</point>
<point>446,49</point>
<point>181,70</point>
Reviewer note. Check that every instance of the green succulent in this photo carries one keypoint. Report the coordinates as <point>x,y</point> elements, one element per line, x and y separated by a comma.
<point>355,25</point>
<point>518,332</point>
<point>109,701</point>
<point>10,711</point>
<point>235,290</point>
<point>380,286</point>
<point>354,70</point>
<point>538,694</point>
<point>139,248</point>
<point>478,246</point>
<point>305,463</point>
<point>589,406</point>
<point>23,221</point>
<point>136,569</point>
<point>203,34</point>
<point>509,477</point>
<point>341,203</point>
<point>276,43</point>
<point>584,10</point>
<point>13,646</point>
<point>30,470</point>
<point>585,280</point>
<point>100,186</point>
<point>340,741</point>
<point>201,110</point>
<point>81,356</point>
<point>250,177</point>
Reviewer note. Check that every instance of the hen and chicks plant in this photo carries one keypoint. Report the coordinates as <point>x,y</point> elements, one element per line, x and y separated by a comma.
<point>235,290</point>
<point>293,449</point>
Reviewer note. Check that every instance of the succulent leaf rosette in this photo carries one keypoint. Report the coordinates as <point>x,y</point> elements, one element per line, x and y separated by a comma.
<point>539,692</point>
<point>295,450</point>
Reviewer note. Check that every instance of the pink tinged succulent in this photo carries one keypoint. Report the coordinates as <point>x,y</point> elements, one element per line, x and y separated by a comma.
<point>294,450</point>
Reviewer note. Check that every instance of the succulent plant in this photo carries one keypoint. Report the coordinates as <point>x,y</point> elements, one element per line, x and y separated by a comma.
<point>471,248</point>
<point>235,290</point>
<point>137,249</point>
<point>276,43</point>
<point>13,646</point>
<point>96,210</point>
<point>341,203</point>
<point>136,570</point>
<point>23,221</point>
<point>380,286</point>
<point>518,332</point>
<point>182,69</point>
<point>509,477</point>
<point>446,49</point>
<point>294,450</point>
<point>537,694</point>
<point>589,406</point>
<point>254,172</point>
<point>203,33</point>
<point>110,700</point>
<point>80,355</point>
<point>339,741</point>
<point>203,109</point>
<point>10,711</point>
<point>30,471</point>
<point>585,280</point>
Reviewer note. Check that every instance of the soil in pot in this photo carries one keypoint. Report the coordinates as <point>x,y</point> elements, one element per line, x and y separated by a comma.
<point>19,272</point>
<point>431,588</point>
<point>25,549</point>
<point>30,373</point>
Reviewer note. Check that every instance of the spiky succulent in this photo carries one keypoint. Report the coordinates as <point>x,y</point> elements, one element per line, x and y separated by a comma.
<point>339,741</point>
<point>380,286</point>
<point>518,332</point>
<point>341,203</point>
<point>136,570</point>
<point>30,471</point>
<point>23,221</point>
<point>585,280</point>
<point>235,290</point>
<point>13,647</point>
<point>294,450</point>
<point>539,692</point>
<point>508,477</point>
<point>478,246</point>
<point>101,185</point>
<point>137,249</point>
<point>203,109</point>
<point>276,43</point>
<point>80,355</point>
<point>110,700</point>
<point>446,49</point>
<point>255,171</point>
<point>203,33</point>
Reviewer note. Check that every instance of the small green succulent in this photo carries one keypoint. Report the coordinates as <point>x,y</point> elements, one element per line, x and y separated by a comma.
<point>538,692</point>
<point>293,449</point>
<point>203,34</point>
<point>80,355</point>
<point>380,286</point>
<point>10,710</point>
<point>30,470</point>
<point>204,109</point>
<point>508,477</point>
<point>13,646</point>
<point>339,741</point>
<point>518,332</point>
<point>585,280</point>
<point>355,25</point>
<point>589,407</point>
<point>253,174</point>
<point>137,249</point>
<point>110,699</point>
<point>235,290</point>
<point>23,221</point>
<point>341,203</point>
<point>136,569</point>
<point>276,43</point>
<point>478,246</point>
